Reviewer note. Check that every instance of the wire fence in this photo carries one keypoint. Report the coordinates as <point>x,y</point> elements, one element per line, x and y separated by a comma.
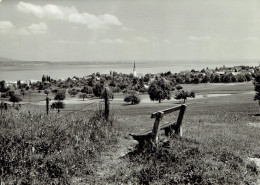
<point>36,101</point>
<point>77,110</point>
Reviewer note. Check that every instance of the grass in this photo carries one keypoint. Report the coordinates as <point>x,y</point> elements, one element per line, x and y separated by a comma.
<point>215,149</point>
<point>217,144</point>
<point>184,162</point>
<point>41,149</point>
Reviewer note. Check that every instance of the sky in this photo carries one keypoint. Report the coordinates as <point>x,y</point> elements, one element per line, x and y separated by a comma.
<point>130,30</point>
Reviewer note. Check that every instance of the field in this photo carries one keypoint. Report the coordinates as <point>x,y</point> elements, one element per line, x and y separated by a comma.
<point>220,141</point>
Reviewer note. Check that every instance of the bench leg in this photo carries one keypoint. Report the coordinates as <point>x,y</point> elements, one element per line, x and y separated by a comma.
<point>178,131</point>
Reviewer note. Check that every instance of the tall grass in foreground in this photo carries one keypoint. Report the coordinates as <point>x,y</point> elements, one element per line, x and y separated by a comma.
<point>41,149</point>
<point>182,161</point>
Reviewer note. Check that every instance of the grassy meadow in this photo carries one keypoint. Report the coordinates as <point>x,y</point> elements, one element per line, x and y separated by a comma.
<point>220,135</point>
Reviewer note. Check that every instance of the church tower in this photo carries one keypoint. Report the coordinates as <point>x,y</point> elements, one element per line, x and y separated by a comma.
<point>134,71</point>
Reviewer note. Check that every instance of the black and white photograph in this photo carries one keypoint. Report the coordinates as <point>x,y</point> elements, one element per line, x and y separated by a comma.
<point>129,92</point>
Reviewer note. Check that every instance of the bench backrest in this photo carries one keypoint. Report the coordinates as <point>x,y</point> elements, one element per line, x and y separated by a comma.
<point>170,110</point>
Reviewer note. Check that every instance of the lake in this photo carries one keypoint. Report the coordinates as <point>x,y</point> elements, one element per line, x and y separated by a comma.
<point>13,71</point>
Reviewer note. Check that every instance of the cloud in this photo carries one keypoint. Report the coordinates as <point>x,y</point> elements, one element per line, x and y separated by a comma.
<point>194,38</point>
<point>112,41</point>
<point>7,27</point>
<point>252,38</point>
<point>38,28</point>
<point>69,14</point>
<point>166,41</point>
<point>141,39</point>
<point>68,42</point>
<point>125,28</point>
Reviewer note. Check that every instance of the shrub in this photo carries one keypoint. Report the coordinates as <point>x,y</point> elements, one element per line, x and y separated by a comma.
<point>46,92</point>
<point>60,95</point>
<point>183,95</point>
<point>73,92</point>
<point>87,90</point>
<point>83,96</point>
<point>58,105</point>
<point>14,98</point>
<point>110,94</point>
<point>132,98</point>
<point>178,87</point>
<point>97,90</point>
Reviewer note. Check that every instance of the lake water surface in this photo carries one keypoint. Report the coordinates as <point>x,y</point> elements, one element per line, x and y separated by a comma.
<point>61,70</point>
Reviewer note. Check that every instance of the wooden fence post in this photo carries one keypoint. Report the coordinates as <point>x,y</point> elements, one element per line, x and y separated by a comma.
<point>106,104</point>
<point>47,104</point>
<point>156,127</point>
<point>178,129</point>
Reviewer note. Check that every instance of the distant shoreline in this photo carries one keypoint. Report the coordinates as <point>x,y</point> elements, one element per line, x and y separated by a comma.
<point>13,71</point>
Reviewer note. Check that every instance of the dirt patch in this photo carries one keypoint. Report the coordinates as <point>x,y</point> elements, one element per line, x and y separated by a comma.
<point>109,163</point>
<point>256,124</point>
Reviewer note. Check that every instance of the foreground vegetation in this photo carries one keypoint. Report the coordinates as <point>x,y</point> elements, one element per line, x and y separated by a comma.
<point>185,162</point>
<point>40,149</point>
<point>220,135</point>
<point>216,146</point>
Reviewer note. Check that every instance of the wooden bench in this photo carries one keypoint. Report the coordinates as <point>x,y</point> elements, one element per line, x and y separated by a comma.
<point>151,136</point>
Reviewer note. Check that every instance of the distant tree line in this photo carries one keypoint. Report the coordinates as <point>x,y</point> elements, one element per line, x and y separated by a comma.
<point>158,86</point>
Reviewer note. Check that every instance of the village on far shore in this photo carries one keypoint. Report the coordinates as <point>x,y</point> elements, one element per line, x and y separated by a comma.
<point>218,75</point>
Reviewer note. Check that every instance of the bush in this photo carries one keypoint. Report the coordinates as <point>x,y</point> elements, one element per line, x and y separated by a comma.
<point>58,105</point>
<point>110,94</point>
<point>97,90</point>
<point>183,95</point>
<point>73,92</point>
<point>87,90</point>
<point>14,98</point>
<point>46,92</point>
<point>60,95</point>
<point>5,95</point>
<point>83,96</point>
<point>132,98</point>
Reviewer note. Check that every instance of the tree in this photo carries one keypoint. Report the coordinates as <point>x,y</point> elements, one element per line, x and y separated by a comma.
<point>205,79</point>
<point>159,90</point>
<point>257,88</point>
<point>14,98</point>
<point>60,95</point>
<point>108,92</point>
<point>87,90</point>
<point>192,94</point>
<point>46,92</point>
<point>22,92</point>
<point>132,97</point>
<point>178,87</point>
<point>2,86</point>
<point>43,78</point>
<point>73,92</point>
<point>83,96</point>
<point>97,90</point>
<point>183,95</point>
<point>58,105</point>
